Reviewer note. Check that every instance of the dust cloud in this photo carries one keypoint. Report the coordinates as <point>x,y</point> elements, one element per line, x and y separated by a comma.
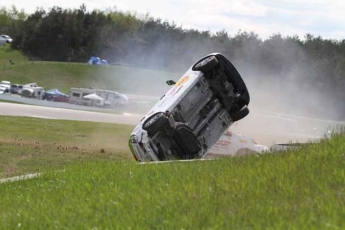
<point>285,105</point>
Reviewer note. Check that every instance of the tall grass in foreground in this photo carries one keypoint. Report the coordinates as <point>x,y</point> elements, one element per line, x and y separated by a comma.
<point>301,189</point>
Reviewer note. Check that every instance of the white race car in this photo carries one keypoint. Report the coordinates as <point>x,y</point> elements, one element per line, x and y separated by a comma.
<point>233,144</point>
<point>193,114</point>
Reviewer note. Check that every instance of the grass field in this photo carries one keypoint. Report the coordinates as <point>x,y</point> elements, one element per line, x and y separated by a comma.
<point>7,53</point>
<point>29,145</point>
<point>90,180</point>
<point>301,189</point>
<point>64,75</point>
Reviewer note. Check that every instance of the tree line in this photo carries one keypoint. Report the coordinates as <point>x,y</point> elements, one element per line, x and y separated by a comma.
<point>312,68</point>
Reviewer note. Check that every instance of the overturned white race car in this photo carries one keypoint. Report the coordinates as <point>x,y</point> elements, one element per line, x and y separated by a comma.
<point>193,115</point>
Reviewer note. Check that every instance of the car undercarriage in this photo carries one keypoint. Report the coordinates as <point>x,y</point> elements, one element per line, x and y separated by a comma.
<point>192,115</point>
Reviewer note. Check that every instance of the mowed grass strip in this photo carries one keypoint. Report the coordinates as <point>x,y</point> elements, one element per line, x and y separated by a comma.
<point>30,145</point>
<point>7,53</point>
<point>300,189</point>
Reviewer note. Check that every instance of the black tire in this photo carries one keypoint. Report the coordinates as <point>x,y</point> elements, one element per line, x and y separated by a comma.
<point>236,116</point>
<point>206,64</point>
<point>243,99</point>
<point>154,123</point>
<point>235,79</point>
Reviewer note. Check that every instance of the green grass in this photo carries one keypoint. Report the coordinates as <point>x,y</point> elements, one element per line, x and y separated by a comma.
<point>102,187</point>
<point>64,75</point>
<point>7,53</point>
<point>300,189</point>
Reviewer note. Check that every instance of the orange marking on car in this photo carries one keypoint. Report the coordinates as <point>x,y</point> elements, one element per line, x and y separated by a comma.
<point>182,81</point>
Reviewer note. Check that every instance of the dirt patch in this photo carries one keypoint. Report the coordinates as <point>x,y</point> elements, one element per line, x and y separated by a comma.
<point>80,135</point>
<point>24,157</point>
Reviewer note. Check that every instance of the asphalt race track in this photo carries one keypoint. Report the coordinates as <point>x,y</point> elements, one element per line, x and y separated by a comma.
<point>11,109</point>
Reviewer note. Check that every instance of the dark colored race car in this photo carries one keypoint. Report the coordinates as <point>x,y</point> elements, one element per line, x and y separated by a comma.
<point>193,114</point>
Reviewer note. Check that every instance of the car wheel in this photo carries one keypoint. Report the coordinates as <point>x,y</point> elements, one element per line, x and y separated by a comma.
<point>206,64</point>
<point>236,116</point>
<point>154,123</point>
<point>243,99</point>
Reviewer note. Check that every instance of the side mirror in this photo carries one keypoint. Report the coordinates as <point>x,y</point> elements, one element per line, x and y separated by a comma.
<point>170,82</point>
